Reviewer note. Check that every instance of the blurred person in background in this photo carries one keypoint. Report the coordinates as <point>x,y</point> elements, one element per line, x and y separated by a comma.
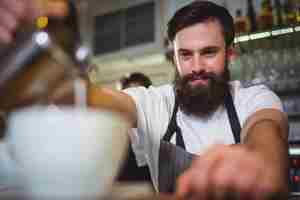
<point>203,136</point>
<point>136,79</point>
<point>134,168</point>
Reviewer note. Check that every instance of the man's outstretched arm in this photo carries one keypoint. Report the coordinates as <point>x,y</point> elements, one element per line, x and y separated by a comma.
<point>254,169</point>
<point>266,133</point>
<point>104,98</point>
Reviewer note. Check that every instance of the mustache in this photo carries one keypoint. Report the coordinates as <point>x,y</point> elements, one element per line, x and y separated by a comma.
<point>197,99</point>
<point>201,75</point>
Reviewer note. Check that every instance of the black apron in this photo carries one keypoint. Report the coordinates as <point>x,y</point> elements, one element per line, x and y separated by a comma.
<point>173,159</point>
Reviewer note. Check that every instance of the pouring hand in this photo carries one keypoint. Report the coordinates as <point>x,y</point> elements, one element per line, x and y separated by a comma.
<point>15,12</point>
<point>228,172</point>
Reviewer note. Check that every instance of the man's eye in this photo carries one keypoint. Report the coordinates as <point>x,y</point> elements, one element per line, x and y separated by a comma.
<point>210,53</point>
<point>185,55</point>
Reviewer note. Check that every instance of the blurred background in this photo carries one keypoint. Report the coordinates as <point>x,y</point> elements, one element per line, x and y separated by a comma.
<point>130,36</point>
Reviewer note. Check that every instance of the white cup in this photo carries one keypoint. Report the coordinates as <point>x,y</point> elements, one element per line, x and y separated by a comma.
<point>66,151</point>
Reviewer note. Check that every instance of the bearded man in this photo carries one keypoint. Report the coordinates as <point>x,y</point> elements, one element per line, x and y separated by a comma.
<point>203,137</point>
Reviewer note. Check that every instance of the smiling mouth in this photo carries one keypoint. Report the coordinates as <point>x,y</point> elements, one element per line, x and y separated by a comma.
<point>199,82</point>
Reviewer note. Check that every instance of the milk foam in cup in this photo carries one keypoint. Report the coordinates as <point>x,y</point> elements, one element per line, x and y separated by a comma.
<point>66,151</point>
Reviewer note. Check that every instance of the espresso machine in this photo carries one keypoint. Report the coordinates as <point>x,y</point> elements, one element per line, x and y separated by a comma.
<point>47,66</point>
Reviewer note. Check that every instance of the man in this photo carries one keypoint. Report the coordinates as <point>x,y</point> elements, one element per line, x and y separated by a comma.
<point>204,114</point>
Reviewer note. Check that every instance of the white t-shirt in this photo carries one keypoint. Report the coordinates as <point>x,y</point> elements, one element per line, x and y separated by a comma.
<point>154,111</point>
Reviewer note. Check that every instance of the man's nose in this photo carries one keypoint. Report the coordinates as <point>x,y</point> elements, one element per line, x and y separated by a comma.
<point>198,63</point>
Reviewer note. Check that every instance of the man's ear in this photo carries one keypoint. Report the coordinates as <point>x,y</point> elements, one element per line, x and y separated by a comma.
<point>231,53</point>
<point>174,57</point>
<point>169,55</point>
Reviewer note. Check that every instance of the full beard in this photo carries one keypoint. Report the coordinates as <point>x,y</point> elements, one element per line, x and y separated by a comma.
<point>201,100</point>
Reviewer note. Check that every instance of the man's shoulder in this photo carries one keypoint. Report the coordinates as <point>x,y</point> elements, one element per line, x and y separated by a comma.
<point>162,93</point>
<point>240,89</point>
<point>160,88</point>
<point>253,95</point>
<point>163,88</point>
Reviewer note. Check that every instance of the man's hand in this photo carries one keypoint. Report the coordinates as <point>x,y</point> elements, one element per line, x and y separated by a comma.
<point>15,12</point>
<point>230,172</point>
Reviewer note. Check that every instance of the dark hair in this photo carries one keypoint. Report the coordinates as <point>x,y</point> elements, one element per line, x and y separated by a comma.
<point>138,78</point>
<point>201,11</point>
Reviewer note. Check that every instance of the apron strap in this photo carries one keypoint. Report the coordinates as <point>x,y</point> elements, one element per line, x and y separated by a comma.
<point>174,128</point>
<point>172,124</point>
<point>233,117</point>
<point>173,160</point>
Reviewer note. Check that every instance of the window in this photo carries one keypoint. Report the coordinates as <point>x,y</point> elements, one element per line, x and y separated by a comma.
<point>125,28</point>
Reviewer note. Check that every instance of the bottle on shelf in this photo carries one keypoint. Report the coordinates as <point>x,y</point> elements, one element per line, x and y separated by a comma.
<point>265,18</point>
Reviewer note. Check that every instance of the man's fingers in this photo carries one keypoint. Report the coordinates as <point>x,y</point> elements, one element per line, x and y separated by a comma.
<point>214,154</point>
<point>11,11</point>
<point>224,172</point>
<point>197,178</point>
<point>17,12</point>
<point>5,36</point>
<point>183,185</point>
<point>55,9</point>
<point>192,184</point>
<point>222,181</point>
<point>39,8</point>
<point>238,174</point>
<point>16,7</point>
<point>8,21</point>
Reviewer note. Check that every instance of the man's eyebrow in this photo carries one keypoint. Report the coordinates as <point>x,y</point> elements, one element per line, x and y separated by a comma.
<point>209,48</point>
<point>205,49</point>
<point>185,50</point>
